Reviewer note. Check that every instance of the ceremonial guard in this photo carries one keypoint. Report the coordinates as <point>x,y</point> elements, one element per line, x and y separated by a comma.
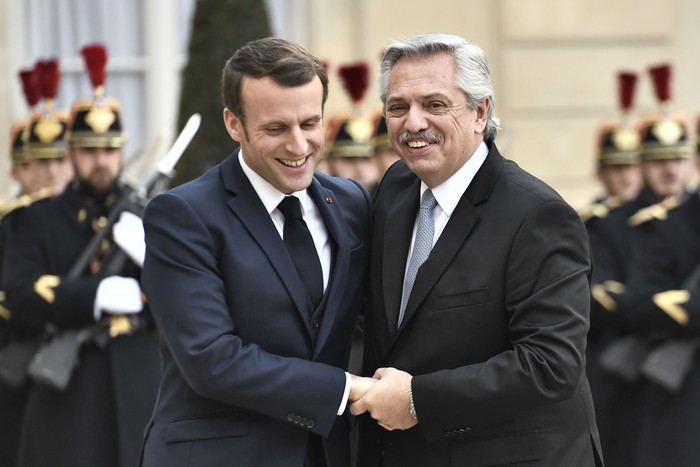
<point>617,160</point>
<point>617,168</point>
<point>96,375</point>
<point>41,168</point>
<point>663,309</point>
<point>667,168</point>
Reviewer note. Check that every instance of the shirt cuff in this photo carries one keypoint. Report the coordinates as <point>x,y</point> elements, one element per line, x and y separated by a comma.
<point>346,394</point>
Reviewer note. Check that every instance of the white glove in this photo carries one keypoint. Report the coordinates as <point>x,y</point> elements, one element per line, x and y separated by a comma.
<point>118,295</point>
<point>128,233</point>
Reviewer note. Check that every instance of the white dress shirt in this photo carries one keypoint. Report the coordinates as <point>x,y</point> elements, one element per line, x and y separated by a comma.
<point>448,194</point>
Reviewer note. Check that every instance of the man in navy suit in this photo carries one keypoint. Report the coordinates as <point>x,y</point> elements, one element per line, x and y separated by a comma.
<point>253,368</point>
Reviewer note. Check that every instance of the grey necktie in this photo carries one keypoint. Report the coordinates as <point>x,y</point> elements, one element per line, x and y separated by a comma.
<point>421,247</point>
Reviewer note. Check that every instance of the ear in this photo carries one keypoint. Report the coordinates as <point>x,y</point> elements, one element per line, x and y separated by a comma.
<point>482,115</point>
<point>234,126</point>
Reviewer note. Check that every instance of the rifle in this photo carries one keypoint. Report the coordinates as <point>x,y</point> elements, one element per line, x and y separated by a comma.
<point>55,361</point>
<point>135,199</point>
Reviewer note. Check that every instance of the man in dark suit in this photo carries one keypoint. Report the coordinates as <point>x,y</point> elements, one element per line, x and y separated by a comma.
<point>253,359</point>
<point>483,362</point>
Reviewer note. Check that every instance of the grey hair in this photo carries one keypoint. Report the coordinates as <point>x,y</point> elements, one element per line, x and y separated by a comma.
<point>473,76</point>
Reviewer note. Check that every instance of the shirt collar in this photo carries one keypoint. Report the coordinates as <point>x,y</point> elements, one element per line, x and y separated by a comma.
<point>449,192</point>
<point>268,194</point>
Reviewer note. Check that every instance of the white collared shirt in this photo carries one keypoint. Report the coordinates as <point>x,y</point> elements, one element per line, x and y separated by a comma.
<point>271,198</point>
<point>449,192</point>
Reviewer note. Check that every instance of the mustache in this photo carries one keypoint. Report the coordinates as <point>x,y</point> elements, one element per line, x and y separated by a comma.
<point>427,135</point>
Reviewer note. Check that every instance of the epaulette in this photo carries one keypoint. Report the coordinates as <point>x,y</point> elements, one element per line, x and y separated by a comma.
<point>600,209</point>
<point>4,312</point>
<point>23,201</point>
<point>670,303</point>
<point>657,211</point>
<point>601,293</point>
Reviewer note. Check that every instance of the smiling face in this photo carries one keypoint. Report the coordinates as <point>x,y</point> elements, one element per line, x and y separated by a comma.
<point>282,136</point>
<point>430,124</point>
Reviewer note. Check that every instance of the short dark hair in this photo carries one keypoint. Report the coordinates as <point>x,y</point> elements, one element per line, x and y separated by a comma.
<point>287,63</point>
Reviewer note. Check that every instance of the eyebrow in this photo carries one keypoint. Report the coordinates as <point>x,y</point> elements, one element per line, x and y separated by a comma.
<point>313,118</point>
<point>434,95</point>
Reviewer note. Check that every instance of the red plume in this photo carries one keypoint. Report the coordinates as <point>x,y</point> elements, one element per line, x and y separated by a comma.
<point>661,75</point>
<point>627,82</point>
<point>48,76</point>
<point>30,87</point>
<point>355,79</point>
<point>95,58</point>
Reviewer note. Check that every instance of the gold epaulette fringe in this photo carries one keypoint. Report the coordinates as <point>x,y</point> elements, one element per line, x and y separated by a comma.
<point>657,211</point>
<point>600,209</point>
<point>23,201</point>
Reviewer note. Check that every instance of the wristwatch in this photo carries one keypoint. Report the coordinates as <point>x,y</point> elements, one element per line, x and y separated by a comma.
<point>411,405</point>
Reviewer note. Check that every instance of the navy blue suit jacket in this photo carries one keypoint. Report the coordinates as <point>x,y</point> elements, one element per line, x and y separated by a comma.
<point>248,372</point>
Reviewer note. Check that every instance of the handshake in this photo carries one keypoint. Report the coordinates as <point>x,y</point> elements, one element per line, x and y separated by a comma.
<point>386,396</point>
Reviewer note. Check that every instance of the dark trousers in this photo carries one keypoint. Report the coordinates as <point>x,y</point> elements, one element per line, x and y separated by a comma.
<point>314,452</point>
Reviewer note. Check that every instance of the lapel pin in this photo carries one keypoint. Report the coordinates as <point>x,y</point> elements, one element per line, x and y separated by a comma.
<point>329,200</point>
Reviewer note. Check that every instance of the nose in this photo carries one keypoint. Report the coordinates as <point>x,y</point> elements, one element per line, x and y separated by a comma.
<point>296,143</point>
<point>55,168</point>
<point>415,119</point>
<point>101,157</point>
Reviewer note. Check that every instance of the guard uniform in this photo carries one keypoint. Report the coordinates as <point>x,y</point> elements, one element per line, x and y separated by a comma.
<point>663,308</point>
<point>29,143</point>
<point>618,144</point>
<point>623,390</point>
<point>98,418</point>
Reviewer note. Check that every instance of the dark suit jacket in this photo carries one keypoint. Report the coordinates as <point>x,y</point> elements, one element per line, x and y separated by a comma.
<point>495,327</point>
<point>248,372</point>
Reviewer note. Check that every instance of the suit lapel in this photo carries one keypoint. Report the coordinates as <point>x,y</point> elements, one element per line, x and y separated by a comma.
<point>398,229</point>
<point>337,235</point>
<point>246,205</point>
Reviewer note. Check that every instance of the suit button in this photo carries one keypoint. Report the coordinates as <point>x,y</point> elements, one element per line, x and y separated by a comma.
<point>290,417</point>
<point>448,434</point>
<point>311,424</point>
<point>316,323</point>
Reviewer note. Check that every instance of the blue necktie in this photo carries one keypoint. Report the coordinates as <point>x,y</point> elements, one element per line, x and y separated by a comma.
<point>300,245</point>
<point>421,247</point>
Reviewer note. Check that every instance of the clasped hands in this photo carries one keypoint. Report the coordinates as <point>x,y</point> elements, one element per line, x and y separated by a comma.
<point>386,396</point>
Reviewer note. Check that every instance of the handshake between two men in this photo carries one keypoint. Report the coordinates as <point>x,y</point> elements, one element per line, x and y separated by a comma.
<point>386,396</point>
